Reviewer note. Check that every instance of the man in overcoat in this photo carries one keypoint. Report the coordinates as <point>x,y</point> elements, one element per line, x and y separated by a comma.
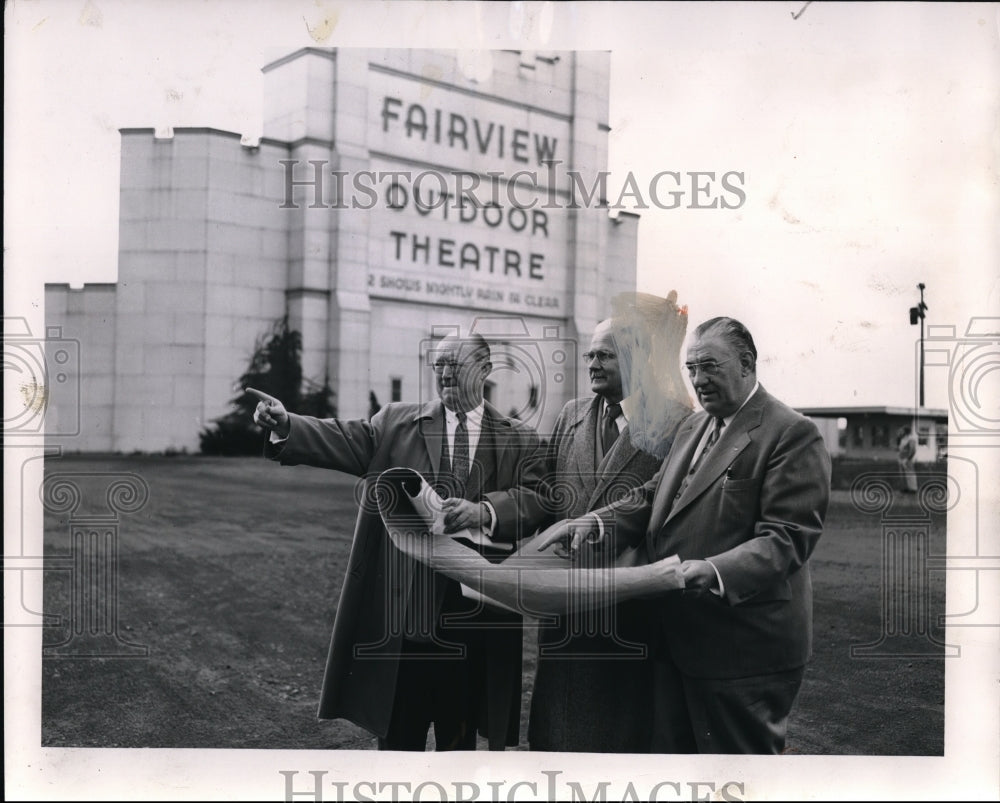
<point>593,683</point>
<point>408,649</point>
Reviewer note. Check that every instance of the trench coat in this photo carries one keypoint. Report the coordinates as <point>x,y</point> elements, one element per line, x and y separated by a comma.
<point>362,665</point>
<point>592,692</point>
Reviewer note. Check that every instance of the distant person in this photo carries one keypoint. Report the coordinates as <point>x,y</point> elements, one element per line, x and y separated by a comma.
<point>592,690</point>
<point>398,661</point>
<point>906,452</point>
<point>741,500</point>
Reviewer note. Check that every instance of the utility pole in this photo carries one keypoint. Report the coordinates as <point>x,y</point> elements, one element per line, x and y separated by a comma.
<point>917,313</point>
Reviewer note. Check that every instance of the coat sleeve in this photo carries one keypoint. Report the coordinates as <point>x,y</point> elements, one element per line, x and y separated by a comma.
<point>342,445</point>
<point>625,522</point>
<point>553,488</point>
<point>794,497</point>
<point>520,504</point>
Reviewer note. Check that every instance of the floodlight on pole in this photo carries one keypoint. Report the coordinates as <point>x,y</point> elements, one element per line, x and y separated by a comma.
<point>917,313</point>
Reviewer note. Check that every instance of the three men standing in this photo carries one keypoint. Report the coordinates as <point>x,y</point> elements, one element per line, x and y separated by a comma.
<point>740,498</point>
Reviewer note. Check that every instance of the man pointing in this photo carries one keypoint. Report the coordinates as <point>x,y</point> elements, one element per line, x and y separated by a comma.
<point>408,650</point>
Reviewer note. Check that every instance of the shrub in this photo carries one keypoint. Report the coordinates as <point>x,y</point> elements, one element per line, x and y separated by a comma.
<point>275,368</point>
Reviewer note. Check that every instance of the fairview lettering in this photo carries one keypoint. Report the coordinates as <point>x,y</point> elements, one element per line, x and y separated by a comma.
<point>456,130</point>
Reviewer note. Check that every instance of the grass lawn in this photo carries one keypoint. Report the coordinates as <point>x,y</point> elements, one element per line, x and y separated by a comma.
<point>230,576</point>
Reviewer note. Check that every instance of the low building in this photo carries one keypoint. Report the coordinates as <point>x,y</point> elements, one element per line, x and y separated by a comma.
<point>872,433</point>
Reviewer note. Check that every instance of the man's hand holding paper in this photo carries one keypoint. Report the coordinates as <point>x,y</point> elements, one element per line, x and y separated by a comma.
<point>532,580</point>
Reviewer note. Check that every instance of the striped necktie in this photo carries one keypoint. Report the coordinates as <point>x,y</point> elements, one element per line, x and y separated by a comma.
<point>460,454</point>
<point>713,438</point>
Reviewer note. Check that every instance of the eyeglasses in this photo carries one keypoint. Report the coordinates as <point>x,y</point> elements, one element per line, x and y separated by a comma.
<point>455,366</point>
<point>601,356</point>
<point>708,368</point>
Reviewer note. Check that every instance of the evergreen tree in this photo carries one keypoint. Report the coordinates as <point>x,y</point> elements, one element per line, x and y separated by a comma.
<point>275,368</point>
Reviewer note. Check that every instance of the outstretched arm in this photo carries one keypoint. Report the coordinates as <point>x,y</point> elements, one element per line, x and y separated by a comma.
<point>341,445</point>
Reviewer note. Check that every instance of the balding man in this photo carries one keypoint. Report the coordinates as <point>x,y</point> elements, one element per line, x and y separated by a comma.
<point>741,499</point>
<point>409,650</point>
<point>594,677</point>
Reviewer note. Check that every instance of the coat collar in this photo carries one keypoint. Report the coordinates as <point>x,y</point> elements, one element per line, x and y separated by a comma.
<point>430,420</point>
<point>434,410</point>
<point>596,477</point>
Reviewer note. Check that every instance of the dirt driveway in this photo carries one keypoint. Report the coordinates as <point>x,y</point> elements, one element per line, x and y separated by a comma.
<point>226,585</point>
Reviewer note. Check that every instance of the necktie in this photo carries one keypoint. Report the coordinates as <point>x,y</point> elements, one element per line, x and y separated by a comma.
<point>610,432</point>
<point>713,438</point>
<point>460,458</point>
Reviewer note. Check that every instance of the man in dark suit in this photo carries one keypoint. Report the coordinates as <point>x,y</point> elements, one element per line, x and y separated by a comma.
<point>594,677</point>
<point>741,500</point>
<point>408,649</point>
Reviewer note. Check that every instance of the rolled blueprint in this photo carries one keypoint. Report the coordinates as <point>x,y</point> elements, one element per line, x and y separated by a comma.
<point>530,581</point>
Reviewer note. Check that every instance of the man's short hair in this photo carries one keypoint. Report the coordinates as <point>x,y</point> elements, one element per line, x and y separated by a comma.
<point>731,331</point>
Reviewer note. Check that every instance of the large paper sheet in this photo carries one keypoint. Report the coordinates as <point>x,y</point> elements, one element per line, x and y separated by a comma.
<point>427,503</point>
<point>530,581</point>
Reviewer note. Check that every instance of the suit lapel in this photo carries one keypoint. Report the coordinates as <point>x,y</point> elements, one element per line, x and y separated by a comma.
<point>681,455</point>
<point>715,462</point>
<point>430,421</point>
<point>613,464</point>
<point>585,447</point>
<point>734,439</point>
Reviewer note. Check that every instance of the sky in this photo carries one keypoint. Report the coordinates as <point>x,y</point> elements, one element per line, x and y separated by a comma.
<point>867,134</point>
<point>866,137</point>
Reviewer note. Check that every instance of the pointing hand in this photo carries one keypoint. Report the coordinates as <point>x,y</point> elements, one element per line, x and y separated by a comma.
<point>270,413</point>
